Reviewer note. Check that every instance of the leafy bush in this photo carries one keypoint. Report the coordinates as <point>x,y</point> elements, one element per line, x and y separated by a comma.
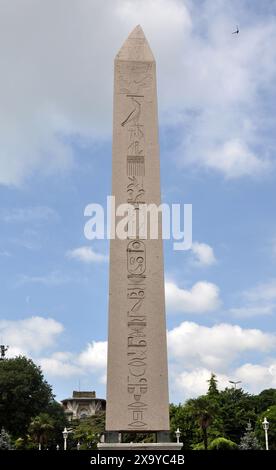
<point>220,443</point>
<point>199,446</point>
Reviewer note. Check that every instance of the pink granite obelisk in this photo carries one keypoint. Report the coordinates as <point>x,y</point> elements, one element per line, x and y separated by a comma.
<point>137,376</point>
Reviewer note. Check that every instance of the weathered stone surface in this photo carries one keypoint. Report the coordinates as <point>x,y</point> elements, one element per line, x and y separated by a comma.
<point>137,377</point>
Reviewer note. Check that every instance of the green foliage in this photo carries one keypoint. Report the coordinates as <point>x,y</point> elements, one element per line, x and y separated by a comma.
<point>220,417</point>
<point>199,446</point>
<point>204,409</point>
<point>220,443</point>
<point>236,408</point>
<point>266,399</point>
<point>59,420</point>
<point>20,444</point>
<point>213,391</point>
<point>24,394</point>
<point>223,414</point>
<point>182,417</point>
<point>249,441</point>
<point>87,432</point>
<point>40,429</point>
<point>5,440</point>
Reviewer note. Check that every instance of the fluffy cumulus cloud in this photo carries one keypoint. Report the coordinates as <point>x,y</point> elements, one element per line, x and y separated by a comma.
<point>202,297</point>
<point>216,346</point>
<point>194,383</point>
<point>203,254</point>
<point>37,336</point>
<point>30,335</point>
<point>257,377</point>
<point>56,80</point>
<point>60,364</point>
<point>86,254</point>
<point>94,356</point>
<point>253,378</point>
<point>195,351</point>
<point>92,360</point>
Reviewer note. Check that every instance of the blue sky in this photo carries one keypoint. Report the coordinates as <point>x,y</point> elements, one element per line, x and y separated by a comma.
<point>217,136</point>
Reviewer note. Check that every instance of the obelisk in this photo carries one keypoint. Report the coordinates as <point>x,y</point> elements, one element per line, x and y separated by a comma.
<point>137,376</point>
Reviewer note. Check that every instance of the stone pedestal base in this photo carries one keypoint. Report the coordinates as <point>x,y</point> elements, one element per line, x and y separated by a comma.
<point>140,446</point>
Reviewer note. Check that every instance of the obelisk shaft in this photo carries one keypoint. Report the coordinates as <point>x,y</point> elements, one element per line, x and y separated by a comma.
<point>137,377</point>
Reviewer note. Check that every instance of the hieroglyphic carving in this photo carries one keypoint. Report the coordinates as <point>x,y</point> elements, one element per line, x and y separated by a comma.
<point>134,79</point>
<point>137,338</point>
<point>136,257</point>
<point>135,165</point>
<point>136,140</point>
<point>135,191</point>
<point>134,115</point>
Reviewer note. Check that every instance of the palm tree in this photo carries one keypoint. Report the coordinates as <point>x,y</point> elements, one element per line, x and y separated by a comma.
<point>204,410</point>
<point>40,428</point>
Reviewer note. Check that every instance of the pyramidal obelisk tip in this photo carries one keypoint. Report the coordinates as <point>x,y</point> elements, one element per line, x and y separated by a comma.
<point>136,47</point>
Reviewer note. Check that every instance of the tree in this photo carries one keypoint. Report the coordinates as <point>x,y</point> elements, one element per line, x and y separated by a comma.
<point>5,440</point>
<point>23,394</point>
<point>220,443</point>
<point>249,440</point>
<point>40,429</point>
<point>265,399</point>
<point>236,408</point>
<point>88,431</point>
<point>183,417</point>
<point>213,391</point>
<point>59,420</point>
<point>204,410</point>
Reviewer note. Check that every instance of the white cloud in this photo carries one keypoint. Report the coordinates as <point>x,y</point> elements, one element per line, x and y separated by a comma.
<point>202,297</point>
<point>257,377</point>
<point>215,347</point>
<point>263,292</point>
<point>195,351</point>
<point>34,336</point>
<point>30,335</point>
<point>251,311</point>
<point>234,159</point>
<point>259,300</point>
<point>204,254</point>
<point>195,383</point>
<point>87,255</point>
<point>56,79</point>
<point>94,356</point>
<point>93,359</point>
<point>254,378</point>
<point>60,365</point>
<point>224,113</point>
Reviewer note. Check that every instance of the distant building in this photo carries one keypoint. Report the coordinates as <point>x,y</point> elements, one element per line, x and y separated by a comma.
<point>82,405</point>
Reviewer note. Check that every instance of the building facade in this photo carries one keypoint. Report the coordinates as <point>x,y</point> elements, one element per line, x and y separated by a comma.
<point>83,405</point>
